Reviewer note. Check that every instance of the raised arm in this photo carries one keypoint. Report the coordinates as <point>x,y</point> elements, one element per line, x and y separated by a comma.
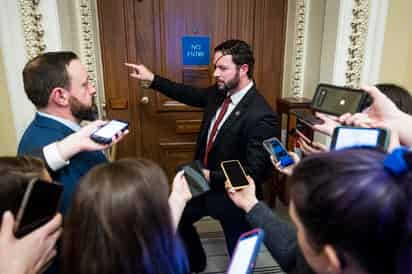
<point>196,97</point>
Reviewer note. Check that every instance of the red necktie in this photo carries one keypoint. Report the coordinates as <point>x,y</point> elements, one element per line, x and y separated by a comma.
<point>219,118</point>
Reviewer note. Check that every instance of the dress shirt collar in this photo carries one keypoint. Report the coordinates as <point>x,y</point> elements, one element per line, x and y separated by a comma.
<point>73,126</point>
<point>241,93</point>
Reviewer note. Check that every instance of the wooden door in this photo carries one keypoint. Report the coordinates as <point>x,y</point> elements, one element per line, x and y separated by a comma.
<point>150,32</point>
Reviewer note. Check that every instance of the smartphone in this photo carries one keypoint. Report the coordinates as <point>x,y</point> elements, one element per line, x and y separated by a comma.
<point>235,174</point>
<point>335,100</point>
<point>306,117</point>
<point>274,147</point>
<point>338,100</point>
<point>40,203</point>
<point>196,181</point>
<point>247,249</point>
<point>105,134</point>
<point>345,137</point>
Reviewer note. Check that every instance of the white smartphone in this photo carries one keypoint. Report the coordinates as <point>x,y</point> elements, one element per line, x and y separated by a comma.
<point>346,137</point>
<point>246,252</point>
<point>105,134</point>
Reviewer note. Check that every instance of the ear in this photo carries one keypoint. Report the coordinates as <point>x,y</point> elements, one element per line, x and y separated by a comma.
<point>334,264</point>
<point>59,96</point>
<point>244,69</point>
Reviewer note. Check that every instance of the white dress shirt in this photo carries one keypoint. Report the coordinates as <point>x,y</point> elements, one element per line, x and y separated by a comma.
<point>235,99</point>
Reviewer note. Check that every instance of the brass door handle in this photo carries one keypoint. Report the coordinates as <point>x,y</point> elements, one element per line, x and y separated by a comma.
<point>144,100</point>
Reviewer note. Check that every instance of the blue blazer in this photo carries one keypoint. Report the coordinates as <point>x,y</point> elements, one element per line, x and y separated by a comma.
<point>43,131</point>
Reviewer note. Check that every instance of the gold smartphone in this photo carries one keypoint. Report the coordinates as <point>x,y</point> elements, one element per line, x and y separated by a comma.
<point>235,174</point>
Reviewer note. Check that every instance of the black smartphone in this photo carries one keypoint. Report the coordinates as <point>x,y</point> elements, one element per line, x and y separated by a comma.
<point>196,181</point>
<point>105,134</point>
<point>306,117</point>
<point>235,174</point>
<point>274,147</point>
<point>247,249</point>
<point>346,137</point>
<point>338,100</point>
<point>39,205</point>
<point>335,100</point>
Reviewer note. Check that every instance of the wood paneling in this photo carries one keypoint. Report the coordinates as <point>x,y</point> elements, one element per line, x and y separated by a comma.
<point>150,32</point>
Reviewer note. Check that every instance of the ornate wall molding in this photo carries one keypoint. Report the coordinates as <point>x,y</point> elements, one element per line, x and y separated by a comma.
<point>88,48</point>
<point>32,27</point>
<point>87,37</point>
<point>359,26</point>
<point>299,48</point>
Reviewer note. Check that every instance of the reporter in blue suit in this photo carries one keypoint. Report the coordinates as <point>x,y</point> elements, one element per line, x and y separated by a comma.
<point>59,87</point>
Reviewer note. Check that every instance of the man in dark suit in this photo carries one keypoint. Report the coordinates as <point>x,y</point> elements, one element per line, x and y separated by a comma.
<point>235,122</point>
<point>59,87</point>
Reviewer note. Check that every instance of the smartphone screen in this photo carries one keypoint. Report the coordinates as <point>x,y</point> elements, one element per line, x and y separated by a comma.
<point>39,205</point>
<point>110,129</point>
<point>245,254</point>
<point>234,173</point>
<point>346,137</point>
<point>280,153</point>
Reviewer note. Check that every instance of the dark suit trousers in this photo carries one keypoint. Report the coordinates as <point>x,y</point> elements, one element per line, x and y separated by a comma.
<point>219,206</point>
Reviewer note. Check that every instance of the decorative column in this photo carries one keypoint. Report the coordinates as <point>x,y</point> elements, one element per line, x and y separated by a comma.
<point>359,26</point>
<point>299,51</point>
<point>89,47</point>
<point>33,30</point>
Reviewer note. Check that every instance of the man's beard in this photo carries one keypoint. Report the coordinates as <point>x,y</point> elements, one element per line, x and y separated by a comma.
<point>82,112</point>
<point>231,84</point>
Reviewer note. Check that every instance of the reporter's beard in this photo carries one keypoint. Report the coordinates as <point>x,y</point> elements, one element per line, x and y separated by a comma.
<point>82,112</point>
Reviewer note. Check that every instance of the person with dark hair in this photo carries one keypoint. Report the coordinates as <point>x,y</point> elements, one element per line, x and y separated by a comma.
<point>351,209</point>
<point>236,120</point>
<point>399,95</point>
<point>31,253</point>
<point>59,87</point>
<point>121,221</point>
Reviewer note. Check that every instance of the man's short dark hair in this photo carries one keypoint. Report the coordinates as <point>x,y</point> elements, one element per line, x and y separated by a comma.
<point>241,53</point>
<point>44,73</point>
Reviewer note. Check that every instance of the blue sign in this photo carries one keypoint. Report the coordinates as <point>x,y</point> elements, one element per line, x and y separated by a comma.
<point>196,50</point>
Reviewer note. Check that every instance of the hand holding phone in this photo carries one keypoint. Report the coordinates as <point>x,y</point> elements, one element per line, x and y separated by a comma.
<point>105,134</point>
<point>247,249</point>
<point>195,179</point>
<point>274,147</point>
<point>235,174</point>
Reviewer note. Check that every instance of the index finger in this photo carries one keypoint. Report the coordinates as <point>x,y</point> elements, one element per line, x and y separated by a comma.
<point>344,117</point>
<point>130,65</point>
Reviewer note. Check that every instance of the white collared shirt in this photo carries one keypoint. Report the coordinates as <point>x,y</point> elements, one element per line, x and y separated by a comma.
<point>235,99</point>
<point>72,125</point>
